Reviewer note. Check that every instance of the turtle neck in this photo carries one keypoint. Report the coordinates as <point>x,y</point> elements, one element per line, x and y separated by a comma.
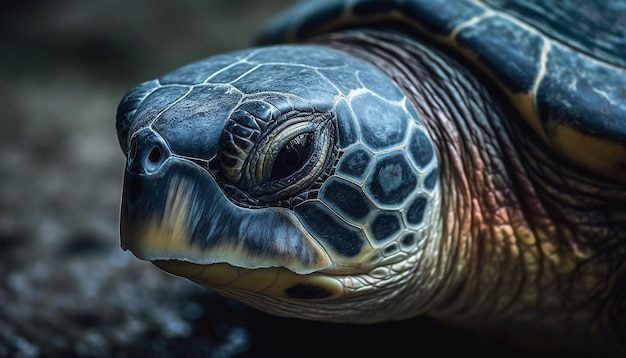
<point>525,237</point>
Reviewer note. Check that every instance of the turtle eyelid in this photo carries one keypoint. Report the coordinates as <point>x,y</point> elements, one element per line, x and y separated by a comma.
<point>314,136</point>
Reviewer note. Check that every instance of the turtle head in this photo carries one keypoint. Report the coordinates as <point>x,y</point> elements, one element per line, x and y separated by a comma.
<point>296,173</point>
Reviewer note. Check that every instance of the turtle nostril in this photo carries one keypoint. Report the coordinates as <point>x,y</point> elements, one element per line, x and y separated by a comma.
<point>155,155</point>
<point>147,152</point>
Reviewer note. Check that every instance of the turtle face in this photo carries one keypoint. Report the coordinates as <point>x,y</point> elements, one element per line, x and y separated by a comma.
<point>286,171</point>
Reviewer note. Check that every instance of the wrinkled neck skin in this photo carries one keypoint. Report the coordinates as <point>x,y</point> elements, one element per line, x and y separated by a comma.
<point>525,241</point>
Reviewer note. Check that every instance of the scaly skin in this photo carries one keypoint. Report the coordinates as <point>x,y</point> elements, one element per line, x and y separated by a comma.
<point>528,242</point>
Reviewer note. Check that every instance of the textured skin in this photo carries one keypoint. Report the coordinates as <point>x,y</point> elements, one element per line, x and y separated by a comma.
<point>528,239</point>
<point>377,174</point>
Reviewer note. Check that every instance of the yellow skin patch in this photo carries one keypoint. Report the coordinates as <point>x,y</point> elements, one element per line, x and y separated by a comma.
<point>267,281</point>
<point>600,155</point>
<point>163,235</point>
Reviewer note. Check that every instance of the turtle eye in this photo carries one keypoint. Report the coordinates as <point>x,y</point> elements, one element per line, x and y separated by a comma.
<point>292,156</point>
<point>289,159</point>
<point>270,152</point>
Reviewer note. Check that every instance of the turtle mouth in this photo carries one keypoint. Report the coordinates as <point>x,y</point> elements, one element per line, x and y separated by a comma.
<point>273,281</point>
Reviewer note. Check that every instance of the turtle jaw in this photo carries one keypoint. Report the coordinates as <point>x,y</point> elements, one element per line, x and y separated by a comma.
<point>271,281</point>
<point>170,218</point>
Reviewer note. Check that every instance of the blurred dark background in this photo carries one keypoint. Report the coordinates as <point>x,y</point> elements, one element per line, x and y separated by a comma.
<point>66,288</point>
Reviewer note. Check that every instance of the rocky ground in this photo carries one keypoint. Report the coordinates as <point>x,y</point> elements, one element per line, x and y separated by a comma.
<point>66,288</point>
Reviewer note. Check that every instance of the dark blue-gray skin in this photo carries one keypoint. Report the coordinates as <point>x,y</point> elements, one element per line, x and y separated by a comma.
<point>377,160</point>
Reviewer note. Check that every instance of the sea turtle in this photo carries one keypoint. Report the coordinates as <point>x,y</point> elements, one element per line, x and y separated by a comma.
<point>376,160</point>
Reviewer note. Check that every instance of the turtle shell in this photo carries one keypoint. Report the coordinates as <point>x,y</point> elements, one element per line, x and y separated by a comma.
<point>563,68</point>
